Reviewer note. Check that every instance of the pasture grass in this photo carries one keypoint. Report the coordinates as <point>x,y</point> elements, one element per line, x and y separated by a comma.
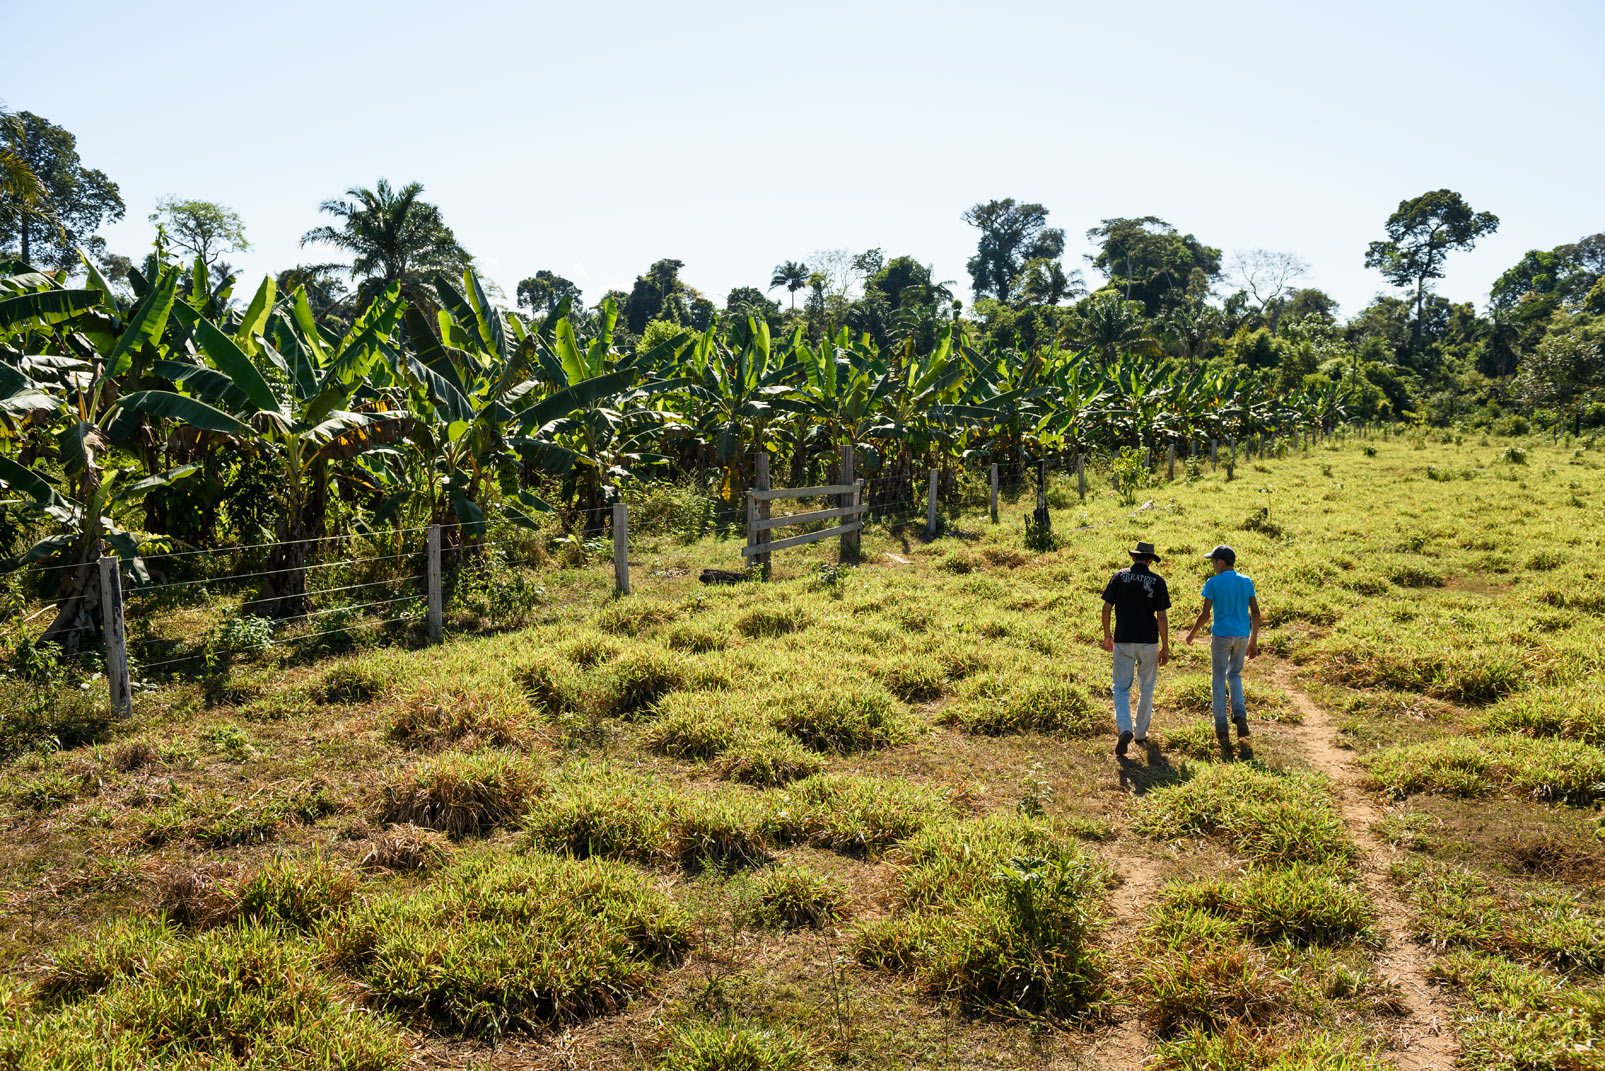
<point>854,816</point>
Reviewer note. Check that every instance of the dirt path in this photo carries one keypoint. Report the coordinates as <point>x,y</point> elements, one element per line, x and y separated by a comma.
<point>1424,1040</point>
<point>1124,1044</point>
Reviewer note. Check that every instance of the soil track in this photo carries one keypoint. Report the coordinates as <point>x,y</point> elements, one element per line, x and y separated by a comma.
<point>1423,1039</point>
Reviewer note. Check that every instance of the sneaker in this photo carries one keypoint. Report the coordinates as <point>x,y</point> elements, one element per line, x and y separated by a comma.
<point>1124,742</point>
<point>1242,727</point>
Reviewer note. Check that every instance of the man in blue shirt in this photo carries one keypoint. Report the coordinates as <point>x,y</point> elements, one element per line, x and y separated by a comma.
<point>1229,595</point>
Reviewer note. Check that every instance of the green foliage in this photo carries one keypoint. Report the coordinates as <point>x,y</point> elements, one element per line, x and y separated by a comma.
<point>522,943</point>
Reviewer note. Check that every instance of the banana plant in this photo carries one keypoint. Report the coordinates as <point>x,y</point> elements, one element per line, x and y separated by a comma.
<point>303,396</point>
<point>69,387</point>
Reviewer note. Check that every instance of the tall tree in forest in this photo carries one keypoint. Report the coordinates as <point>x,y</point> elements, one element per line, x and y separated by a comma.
<point>1150,261</point>
<point>1011,235</point>
<point>46,218</point>
<point>544,291</point>
<point>1267,277</point>
<point>203,229</point>
<point>393,236</point>
<point>1422,232</point>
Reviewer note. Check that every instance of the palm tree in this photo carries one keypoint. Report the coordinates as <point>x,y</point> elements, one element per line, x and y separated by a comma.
<point>792,275</point>
<point>22,194</point>
<point>1113,325</point>
<point>393,237</point>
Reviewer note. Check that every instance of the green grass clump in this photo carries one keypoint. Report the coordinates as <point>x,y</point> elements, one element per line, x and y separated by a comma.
<point>556,687</point>
<point>1518,1018</point>
<point>298,893</point>
<point>701,725</point>
<point>501,943</point>
<point>218,821</point>
<point>1301,904</point>
<point>856,814</point>
<point>1194,694</point>
<point>1547,769</point>
<point>1269,1050</point>
<point>591,649</point>
<point>638,679</point>
<point>767,621</point>
<point>768,759</point>
<point>1269,817</point>
<point>600,811</point>
<point>1045,706</point>
<point>459,794</point>
<point>140,996</point>
<point>695,639</point>
<point>445,715</point>
<point>634,617</point>
<point>997,912</point>
<point>349,682</point>
<point>915,680</point>
<point>1574,711</point>
<point>737,1048</point>
<point>1456,907</point>
<point>790,898</point>
<point>852,719</point>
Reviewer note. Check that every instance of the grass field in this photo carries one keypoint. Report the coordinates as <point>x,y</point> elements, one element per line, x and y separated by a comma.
<point>871,816</point>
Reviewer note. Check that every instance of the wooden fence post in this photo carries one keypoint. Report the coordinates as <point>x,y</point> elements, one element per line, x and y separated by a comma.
<point>993,476</point>
<point>763,508</point>
<point>621,548</point>
<point>436,629</point>
<point>1231,461</point>
<point>850,543</point>
<point>1213,457</point>
<point>111,611</point>
<point>1081,475</point>
<point>1170,461</point>
<point>930,506</point>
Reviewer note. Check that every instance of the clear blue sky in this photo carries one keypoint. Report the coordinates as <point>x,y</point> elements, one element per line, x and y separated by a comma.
<point>594,139</point>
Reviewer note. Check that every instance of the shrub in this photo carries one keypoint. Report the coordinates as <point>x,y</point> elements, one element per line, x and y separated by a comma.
<point>1269,817</point>
<point>459,794</point>
<point>500,943</point>
<point>736,1048</point>
<point>846,720</point>
<point>790,898</point>
<point>1546,769</point>
<point>217,999</point>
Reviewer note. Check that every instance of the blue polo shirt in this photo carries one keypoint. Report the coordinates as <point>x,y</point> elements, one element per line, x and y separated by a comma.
<point>1228,593</point>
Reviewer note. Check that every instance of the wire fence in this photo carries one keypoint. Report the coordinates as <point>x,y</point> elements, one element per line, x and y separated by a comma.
<point>319,592</point>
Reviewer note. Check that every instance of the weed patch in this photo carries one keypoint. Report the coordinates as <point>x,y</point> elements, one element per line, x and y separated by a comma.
<point>790,898</point>
<point>1269,817</point>
<point>459,794</point>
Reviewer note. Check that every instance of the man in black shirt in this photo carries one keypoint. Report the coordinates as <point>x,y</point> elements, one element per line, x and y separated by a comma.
<point>1138,599</point>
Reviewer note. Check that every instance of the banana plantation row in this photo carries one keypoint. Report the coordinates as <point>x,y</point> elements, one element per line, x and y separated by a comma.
<point>175,420</point>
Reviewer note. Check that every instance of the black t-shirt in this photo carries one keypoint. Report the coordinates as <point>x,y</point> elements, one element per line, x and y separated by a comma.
<point>1137,594</point>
